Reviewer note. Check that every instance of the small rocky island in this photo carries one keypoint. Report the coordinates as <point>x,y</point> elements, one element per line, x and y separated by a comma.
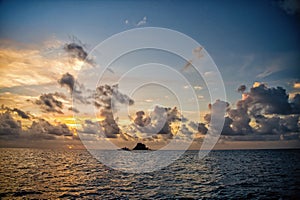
<point>139,146</point>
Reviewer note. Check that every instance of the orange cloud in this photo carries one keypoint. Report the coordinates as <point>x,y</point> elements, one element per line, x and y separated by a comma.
<point>22,65</point>
<point>297,85</point>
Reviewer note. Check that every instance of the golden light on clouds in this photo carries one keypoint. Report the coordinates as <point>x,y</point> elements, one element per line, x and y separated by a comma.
<point>34,66</point>
<point>256,84</point>
<point>296,85</point>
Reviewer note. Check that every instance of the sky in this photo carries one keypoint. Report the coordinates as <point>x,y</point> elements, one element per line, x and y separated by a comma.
<point>49,61</point>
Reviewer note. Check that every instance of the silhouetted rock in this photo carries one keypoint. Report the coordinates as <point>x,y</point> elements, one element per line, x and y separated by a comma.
<point>140,146</point>
<point>126,149</point>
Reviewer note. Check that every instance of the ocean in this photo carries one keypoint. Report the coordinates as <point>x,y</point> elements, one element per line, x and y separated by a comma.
<point>223,174</point>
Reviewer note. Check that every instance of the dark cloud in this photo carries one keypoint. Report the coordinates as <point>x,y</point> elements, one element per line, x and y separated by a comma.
<point>227,130</point>
<point>39,129</point>
<point>21,113</point>
<point>43,129</point>
<point>76,89</point>
<point>199,127</point>
<point>242,88</point>
<point>90,127</point>
<point>106,98</point>
<point>77,51</point>
<point>264,100</point>
<point>67,80</point>
<point>240,120</point>
<point>269,108</point>
<point>110,126</point>
<point>186,131</point>
<point>49,103</point>
<point>295,104</point>
<point>9,127</point>
<point>277,125</point>
<point>172,115</point>
<point>158,122</point>
<point>141,120</point>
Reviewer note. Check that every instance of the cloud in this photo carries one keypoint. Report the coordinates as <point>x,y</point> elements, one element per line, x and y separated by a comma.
<point>76,89</point>
<point>39,129</point>
<point>269,71</point>
<point>242,88</point>
<point>109,125</point>
<point>160,121</point>
<point>29,65</point>
<point>141,120</point>
<point>43,129</point>
<point>296,85</point>
<point>199,127</point>
<point>9,127</point>
<point>142,22</point>
<point>77,51</point>
<point>50,103</point>
<point>90,127</point>
<point>295,104</point>
<point>67,80</point>
<point>21,113</point>
<point>197,54</point>
<point>239,120</point>
<point>264,100</point>
<point>107,96</point>
<point>277,125</point>
<point>106,99</point>
<point>291,7</point>
<point>198,87</point>
<point>269,110</point>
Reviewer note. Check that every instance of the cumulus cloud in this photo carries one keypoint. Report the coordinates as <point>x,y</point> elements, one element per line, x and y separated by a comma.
<point>43,129</point>
<point>106,99</point>
<point>159,123</point>
<point>50,103</point>
<point>264,100</point>
<point>199,127</point>
<point>109,125</point>
<point>107,96</point>
<point>10,128</point>
<point>21,113</point>
<point>269,110</point>
<point>141,120</point>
